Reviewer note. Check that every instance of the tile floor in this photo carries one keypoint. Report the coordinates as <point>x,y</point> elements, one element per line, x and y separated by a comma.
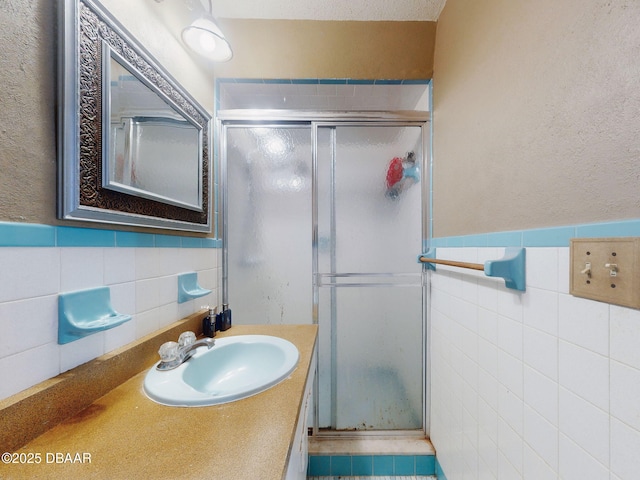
<point>410,477</point>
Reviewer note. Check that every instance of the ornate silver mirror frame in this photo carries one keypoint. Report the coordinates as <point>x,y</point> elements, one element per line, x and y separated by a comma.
<point>90,41</point>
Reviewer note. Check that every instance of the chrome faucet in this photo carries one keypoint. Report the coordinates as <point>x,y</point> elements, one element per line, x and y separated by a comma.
<point>174,354</point>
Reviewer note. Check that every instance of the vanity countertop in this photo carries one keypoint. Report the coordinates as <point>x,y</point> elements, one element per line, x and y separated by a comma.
<point>124,435</point>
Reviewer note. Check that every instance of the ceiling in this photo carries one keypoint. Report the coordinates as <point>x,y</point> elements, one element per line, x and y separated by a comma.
<point>355,10</point>
<point>316,97</point>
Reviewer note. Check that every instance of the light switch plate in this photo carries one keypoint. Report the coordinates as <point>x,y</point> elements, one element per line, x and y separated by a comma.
<point>606,269</point>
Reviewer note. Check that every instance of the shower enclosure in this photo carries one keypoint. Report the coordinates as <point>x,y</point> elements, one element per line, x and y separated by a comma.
<point>322,223</point>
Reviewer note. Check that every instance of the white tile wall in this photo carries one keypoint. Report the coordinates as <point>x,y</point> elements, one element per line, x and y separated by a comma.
<point>536,385</point>
<point>143,283</point>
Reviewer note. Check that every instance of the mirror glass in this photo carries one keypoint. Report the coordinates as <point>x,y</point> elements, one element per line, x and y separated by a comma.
<point>153,150</point>
<point>134,145</point>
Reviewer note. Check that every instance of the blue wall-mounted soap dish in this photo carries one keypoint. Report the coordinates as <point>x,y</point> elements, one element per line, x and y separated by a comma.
<point>85,312</point>
<point>188,287</point>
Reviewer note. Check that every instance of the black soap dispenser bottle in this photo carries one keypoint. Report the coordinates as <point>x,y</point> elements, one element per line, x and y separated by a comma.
<point>225,317</point>
<point>209,323</point>
<point>219,321</point>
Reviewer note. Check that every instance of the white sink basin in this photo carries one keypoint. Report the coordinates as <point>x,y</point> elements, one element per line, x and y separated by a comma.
<point>234,368</point>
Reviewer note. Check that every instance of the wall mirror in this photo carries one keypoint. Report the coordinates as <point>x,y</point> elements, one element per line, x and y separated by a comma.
<point>133,144</point>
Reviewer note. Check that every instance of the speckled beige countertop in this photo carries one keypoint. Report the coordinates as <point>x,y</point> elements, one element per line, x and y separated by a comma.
<point>124,435</point>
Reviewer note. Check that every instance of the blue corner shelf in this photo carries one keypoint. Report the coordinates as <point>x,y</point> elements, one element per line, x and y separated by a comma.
<point>188,287</point>
<point>86,312</point>
<point>511,267</point>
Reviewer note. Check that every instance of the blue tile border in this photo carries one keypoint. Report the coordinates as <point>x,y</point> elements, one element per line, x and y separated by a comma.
<point>340,465</point>
<point>630,228</point>
<point>439,472</point>
<point>332,81</point>
<point>191,242</point>
<point>542,237</point>
<point>326,81</point>
<point>319,465</point>
<point>26,235</point>
<point>356,81</point>
<point>383,465</point>
<point>35,235</point>
<point>211,243</point>
<point>84,237</point>
<point>404,465</point>
<point>168,241</point>
<point>134,239</point>
<point>426,464</point>
<point>505,239</point>
<point>548,237</point>
<point>371,465</point>
<point>362,465</point>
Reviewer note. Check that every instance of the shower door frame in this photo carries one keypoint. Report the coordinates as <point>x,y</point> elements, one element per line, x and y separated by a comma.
<point>314,120</point>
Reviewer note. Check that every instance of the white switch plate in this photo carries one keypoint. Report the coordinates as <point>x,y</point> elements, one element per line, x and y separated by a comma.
<point>606,269</point>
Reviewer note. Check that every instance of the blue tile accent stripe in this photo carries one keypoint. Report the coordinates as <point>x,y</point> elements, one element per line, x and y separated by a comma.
<point>371,465</point>
<point>319,466</point>
<point>542,237</point>
<point>439,472</point>
<point>84,237</point>
<point>426,464</point>
<point>340,465</point>
<point>35,235</point>
<point>26,235</point>
<point>168,241</point>
<point>362,465</point>
<point>133,239</point>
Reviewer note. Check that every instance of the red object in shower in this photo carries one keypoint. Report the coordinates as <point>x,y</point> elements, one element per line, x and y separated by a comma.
<point>394,172</point>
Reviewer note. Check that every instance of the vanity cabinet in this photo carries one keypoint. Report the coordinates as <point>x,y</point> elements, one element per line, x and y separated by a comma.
<point>299,454</point>
<point>251,438</point>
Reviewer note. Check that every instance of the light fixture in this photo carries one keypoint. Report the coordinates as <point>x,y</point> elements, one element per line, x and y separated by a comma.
<point>204,37</point>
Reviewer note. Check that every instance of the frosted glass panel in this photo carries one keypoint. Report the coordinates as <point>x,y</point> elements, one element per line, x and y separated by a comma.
<point>370,307</point>
<point>269,224</point>
<point>379,358</point>
<point>370,368</point>
<point>377,228</point>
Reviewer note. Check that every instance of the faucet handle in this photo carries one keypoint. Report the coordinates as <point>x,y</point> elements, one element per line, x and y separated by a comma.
<point>186,339</point>
<point>168,351</point>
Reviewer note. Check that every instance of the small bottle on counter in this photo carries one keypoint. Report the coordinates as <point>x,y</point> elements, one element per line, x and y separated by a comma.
<point>226,317</point>
<point>219,321</point>
<point>209,322</point>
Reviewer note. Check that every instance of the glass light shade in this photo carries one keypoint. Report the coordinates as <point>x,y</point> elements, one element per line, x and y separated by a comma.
<point>204,37</point>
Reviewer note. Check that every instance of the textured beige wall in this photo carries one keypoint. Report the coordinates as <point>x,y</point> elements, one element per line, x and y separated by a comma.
<point>536,114</point>
<point>263,49</point>
<point>28,97</point>
<point>313,49</point>
<point>27,111</point>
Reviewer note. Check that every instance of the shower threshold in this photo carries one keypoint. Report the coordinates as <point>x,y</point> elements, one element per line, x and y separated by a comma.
<point>369,445</point>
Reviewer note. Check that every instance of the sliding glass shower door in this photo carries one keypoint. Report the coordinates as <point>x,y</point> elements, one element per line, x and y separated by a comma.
<point>369,286</point>
<point>323,222</point>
